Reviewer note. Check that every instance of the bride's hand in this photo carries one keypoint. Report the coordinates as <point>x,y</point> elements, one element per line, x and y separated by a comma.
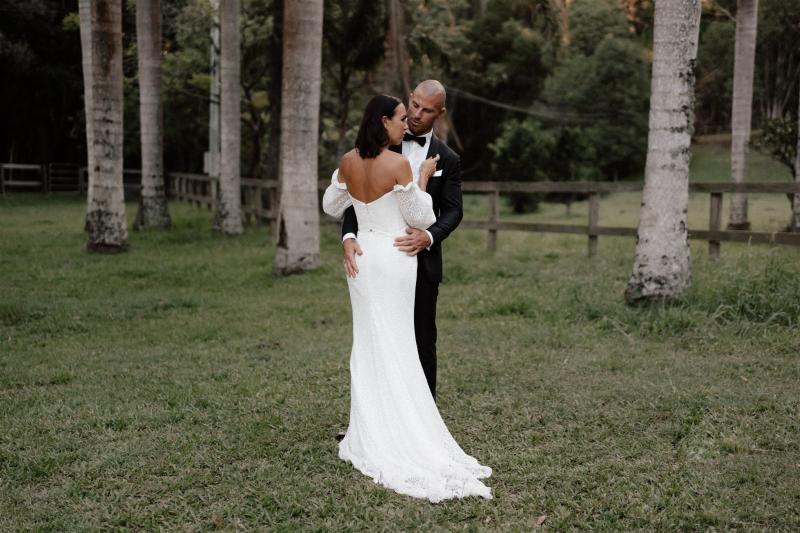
<point>426,170</point>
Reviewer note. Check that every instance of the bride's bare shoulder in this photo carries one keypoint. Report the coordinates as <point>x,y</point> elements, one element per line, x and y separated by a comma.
<point>349,157</point>
<point>397,166</point>
<point>395,160</point>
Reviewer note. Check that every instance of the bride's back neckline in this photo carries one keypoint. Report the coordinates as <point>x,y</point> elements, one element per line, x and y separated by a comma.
<point>368,175</point>
<point>381,197</point>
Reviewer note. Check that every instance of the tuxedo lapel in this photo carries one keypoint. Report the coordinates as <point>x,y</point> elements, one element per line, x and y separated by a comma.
<point>433,148</point>
<point>433,183</point>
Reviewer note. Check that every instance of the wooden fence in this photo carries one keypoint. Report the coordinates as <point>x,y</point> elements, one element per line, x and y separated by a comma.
<point>26,176</point>
<point>201,190</point>
<point>55,177</point>
<point>259,197</point>
<point>260,200</point>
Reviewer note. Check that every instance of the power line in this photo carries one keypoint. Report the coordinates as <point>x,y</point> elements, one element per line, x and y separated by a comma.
<point>546,114</point>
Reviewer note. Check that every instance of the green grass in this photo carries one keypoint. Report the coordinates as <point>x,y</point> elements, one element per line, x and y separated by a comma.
<point>181,386</point>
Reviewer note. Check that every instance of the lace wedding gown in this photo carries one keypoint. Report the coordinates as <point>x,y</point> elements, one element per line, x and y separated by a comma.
<point>396,435</point>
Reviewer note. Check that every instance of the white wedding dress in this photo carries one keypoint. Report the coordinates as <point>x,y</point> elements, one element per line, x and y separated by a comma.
<point>396,435</point>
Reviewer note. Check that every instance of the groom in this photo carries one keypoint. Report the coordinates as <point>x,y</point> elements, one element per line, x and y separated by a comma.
<point>425,104</point>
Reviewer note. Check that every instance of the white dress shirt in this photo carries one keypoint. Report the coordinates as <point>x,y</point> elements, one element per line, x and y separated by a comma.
<point>416,156</point>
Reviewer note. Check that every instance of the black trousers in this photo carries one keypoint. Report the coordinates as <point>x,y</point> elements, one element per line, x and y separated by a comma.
<point>425,326</point>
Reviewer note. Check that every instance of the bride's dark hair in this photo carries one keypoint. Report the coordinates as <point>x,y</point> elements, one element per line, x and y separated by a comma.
<point>372,136</point>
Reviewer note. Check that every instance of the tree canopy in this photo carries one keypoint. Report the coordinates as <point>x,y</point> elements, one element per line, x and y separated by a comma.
<point>570,77</point>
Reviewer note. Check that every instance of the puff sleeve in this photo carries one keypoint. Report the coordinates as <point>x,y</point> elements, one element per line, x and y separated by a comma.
<point>336,198</point>
<point>416,205</point>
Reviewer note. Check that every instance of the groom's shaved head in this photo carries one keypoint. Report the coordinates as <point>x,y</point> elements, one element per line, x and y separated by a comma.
<point>425,105</point>
<point>432,88</point>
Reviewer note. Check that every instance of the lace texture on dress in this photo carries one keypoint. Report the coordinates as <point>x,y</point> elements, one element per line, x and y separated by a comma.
<point>336,198</point>
<point>416,205</point>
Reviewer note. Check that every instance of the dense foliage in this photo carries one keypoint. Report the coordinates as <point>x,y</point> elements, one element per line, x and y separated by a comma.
<point>537,89</point>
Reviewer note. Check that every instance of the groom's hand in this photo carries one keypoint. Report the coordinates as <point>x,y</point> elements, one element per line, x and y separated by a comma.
<point>413,242</point>
<point>351,249</point>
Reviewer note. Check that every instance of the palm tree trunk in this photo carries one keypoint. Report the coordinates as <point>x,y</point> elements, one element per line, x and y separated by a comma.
<point>85,18</point>
<point>298,219</point>
<point>274,88</point>
<point>153,200</point>
<point>796,210</point>
<point>229,208</point>
<point>661,262</point>
<point>744,62</point>
<point>101,32</point>
<point>213,105</point>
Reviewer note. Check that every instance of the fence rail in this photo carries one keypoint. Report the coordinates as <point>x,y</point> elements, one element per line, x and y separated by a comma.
<point>28,176</point>
<point>260,200</point>
<point>183,189</point>
<point>714,235</point>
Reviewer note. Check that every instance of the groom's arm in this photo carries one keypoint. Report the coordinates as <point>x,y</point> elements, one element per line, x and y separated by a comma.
<point>350,224</point>
<point>451,206</point>
<point>350,248</point>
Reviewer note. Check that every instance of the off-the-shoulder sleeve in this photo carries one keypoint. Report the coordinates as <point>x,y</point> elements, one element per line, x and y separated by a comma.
<point>336,198</point>
<point>416,205</point>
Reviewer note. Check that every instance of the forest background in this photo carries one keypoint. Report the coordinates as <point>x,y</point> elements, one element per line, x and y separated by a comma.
<point>537,89</point>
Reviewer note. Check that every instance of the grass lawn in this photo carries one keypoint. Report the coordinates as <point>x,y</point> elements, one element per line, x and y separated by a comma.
<point>181,386</point>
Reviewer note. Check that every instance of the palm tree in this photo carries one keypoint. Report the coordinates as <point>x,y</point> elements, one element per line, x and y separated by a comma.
<point>228,219</point>
<point>796,203</point>
<point>153,200</point>
<point>661,262</point>
<point>213,104</point>
<point>298,218</point>
<point>85,18</point>
<point>101,41</point>
<point>741,111</point>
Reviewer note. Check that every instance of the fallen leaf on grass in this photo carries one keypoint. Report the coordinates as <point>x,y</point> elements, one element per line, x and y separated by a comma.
<point>540,520</point>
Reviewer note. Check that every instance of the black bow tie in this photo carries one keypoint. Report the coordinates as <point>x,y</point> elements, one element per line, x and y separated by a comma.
<point>418,140</point>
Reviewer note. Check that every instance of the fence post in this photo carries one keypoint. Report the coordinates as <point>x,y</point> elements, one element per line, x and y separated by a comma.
<point>594,218</point>
<point>259,204</point>
<point>45,179</point>
<point>272,209</point>
<point>714,222</point>
<point>248,205</point>
<point>494,200</point>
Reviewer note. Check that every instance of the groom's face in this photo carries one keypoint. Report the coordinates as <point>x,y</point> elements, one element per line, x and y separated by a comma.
<point>423,112</point>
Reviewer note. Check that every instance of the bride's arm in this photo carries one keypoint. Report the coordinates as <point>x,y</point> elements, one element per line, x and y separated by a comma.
<point>416,205</point>
<point>336,199</point>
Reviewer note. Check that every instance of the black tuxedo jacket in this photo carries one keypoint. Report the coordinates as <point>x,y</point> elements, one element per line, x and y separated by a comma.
<point>445,190</point>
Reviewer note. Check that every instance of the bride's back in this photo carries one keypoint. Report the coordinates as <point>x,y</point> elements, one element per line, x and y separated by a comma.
<point>369,179</point>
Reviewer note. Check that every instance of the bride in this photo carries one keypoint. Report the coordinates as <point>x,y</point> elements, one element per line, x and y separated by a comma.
<point>395,435</point>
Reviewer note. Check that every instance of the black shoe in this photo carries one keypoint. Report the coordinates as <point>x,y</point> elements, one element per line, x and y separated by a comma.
<point>340,435</point>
